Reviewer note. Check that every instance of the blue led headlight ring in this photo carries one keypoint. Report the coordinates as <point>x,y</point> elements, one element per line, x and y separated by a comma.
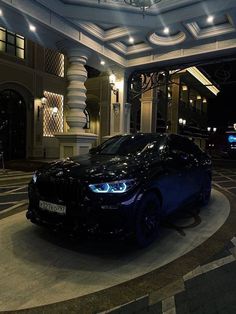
<point>112,187</point>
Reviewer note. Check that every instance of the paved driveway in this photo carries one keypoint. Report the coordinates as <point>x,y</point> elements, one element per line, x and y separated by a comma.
<point>225,179</point>
<point>13,189</point>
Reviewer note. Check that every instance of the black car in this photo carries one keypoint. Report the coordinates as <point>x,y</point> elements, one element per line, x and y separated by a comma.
<point>127,185</point>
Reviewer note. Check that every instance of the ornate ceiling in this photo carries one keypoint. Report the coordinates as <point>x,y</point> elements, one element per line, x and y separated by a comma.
<point>172,31</point>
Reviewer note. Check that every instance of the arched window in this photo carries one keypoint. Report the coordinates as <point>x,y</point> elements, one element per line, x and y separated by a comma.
<point>87,115</point>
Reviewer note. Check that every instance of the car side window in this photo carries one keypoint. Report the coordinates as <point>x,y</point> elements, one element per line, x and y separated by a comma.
<point>178,143</point>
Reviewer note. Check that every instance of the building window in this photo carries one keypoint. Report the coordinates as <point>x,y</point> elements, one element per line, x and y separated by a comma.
<point>87,115</point>
<point>52,114</point>
<point>54,62</point>
<point>12,43</point>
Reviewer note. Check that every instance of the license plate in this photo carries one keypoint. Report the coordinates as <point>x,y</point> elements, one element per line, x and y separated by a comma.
<point>53,208</point>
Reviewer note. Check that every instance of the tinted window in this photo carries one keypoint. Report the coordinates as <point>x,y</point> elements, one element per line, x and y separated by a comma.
<point>183,144</point>
<point>128,144</point>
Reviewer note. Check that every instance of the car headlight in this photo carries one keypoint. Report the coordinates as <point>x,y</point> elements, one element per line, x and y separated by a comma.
<point>113,187</point>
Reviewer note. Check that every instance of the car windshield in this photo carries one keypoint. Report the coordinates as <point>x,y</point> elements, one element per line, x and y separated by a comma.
<point>129,144</point>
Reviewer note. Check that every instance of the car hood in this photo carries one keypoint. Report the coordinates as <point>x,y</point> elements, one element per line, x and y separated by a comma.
<point>96,168</point>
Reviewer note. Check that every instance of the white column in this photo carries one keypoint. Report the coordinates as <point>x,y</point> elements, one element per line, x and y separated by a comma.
<point>120,111</point>
<point>127,108</point>
<point>148,111</point>
<point>76,91</point>
<point>76,141</point>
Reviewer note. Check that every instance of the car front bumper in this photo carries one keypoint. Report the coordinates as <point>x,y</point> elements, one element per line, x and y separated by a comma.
<point>92,213</point>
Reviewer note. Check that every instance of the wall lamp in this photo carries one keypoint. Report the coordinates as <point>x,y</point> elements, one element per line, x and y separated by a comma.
<point>115,90</point>
<point>54,111</point>
<point>43,100</point>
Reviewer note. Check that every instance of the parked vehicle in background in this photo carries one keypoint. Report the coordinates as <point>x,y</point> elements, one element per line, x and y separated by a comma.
<point>222,143</point>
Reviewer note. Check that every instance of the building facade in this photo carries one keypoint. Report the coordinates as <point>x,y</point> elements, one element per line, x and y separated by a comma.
<point>52,105</point>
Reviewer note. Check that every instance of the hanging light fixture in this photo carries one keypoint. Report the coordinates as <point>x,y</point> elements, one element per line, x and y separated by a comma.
<point>142,4</point>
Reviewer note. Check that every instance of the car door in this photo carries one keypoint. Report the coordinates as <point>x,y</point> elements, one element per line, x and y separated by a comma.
<point>191,172</point>
<point>176,166</point>
<point>171,181</point>
<point>194,171</point>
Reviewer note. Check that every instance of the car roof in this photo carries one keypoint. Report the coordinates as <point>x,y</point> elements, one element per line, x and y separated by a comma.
<point>141,134</point>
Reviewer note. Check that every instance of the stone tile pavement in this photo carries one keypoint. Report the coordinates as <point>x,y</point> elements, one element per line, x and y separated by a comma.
<point>208,289</point>
<point>13,190</point>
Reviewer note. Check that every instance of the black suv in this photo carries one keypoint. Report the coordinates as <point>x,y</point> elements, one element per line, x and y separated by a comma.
<point>126,185</point>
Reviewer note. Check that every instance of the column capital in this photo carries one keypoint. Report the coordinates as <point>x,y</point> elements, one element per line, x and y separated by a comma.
<point>72,49</point>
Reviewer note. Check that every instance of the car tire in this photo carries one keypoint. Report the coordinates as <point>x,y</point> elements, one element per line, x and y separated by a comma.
<point>147,219</point>
<point>205,193</point>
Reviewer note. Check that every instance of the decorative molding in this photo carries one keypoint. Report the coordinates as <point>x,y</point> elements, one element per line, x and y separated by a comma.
<point>108,35</point>
<point>211,31</point>
<point>119,47</point>
<point>118,32</point>
<point>134,49</point>
<point>166,41</point>
<point>138,48</point>
<point>93,30</point>
<point>203,50</point>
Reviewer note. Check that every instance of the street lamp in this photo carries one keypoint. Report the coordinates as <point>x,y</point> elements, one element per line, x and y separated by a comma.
<point>182,121</point>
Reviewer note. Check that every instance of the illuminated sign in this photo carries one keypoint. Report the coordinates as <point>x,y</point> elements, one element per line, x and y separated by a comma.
<point>232,138</point>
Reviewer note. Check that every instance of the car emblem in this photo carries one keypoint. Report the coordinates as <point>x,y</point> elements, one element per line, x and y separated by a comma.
<point>59,174</point>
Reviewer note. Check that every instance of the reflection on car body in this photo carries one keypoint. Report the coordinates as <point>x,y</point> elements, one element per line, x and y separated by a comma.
<point>127,185</point>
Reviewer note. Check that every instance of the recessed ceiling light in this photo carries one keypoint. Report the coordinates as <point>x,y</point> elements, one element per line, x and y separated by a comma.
<point>166,30</point>
<point>131,40</point>
<point>210,19</point>
<point>102,62</point>
<point>1,14</point>
<point>32,28</point>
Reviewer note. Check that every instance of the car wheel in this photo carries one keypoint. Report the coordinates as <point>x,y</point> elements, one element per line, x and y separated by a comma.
<point>205,193</point>
<point>147,219</point>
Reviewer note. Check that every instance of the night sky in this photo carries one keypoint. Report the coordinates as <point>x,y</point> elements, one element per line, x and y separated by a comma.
<point>222,109</point>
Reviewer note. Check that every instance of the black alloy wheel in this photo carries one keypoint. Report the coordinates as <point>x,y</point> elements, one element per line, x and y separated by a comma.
<point>205,193</point>
<point>147,219</point>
